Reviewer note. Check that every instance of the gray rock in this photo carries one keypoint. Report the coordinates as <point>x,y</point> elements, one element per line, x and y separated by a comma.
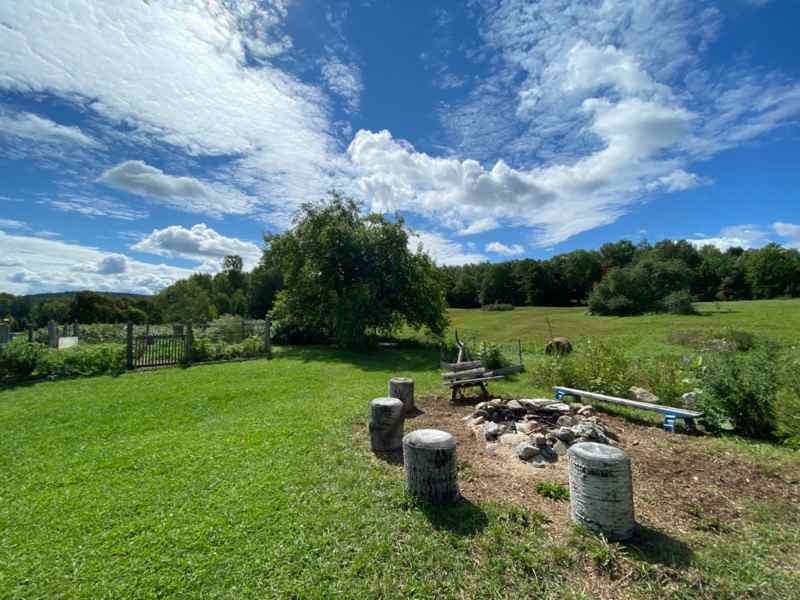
<point>566,421</point>
<point>539,461</point>
<point>481,405</point>
<point>643,395</point>
<point>539,439</point>
<point>526,451</point>
<point>526,427</point>
<point>514,405</point>
<point>589,431</point>
<point>560,448</point>
<point>586,411</point>
<point>556,407</point>
<point>690,399</point>
<point>548,454</point>
<point>491,431</point>
<point>564,434</point>
<point>496,402</point>
<point>535,404</point>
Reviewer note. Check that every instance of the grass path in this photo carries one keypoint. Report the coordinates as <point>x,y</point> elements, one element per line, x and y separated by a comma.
<point>253,480</point>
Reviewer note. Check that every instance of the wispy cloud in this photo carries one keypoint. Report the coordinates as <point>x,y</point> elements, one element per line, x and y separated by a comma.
<point>90,206</point>
<point>39,129</point>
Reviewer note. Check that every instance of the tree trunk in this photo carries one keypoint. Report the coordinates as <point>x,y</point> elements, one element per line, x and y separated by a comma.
<point>386,425</point>
<point>430,463</point>
<point>402,388</point>
<point>601,491</point>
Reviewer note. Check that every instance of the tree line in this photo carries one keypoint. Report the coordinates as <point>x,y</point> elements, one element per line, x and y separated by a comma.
<point>335,252</point>
<point>624,278</point>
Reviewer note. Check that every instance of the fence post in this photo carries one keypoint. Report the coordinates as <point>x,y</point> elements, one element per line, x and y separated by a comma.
<point>76,329</point>
<point>52,334</point>
<point>30,333</point>
<point>187,352</point>
<point>242,321</point>
<point>519,348</point>
<point>268,336</point>
<point>5,333</point>
<point>129,354</point>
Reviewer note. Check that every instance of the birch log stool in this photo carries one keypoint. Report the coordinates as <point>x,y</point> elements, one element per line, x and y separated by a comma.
<point>403,388</point>
<point>386,425</point>
<point>600,489</point>
<point>430,462</point>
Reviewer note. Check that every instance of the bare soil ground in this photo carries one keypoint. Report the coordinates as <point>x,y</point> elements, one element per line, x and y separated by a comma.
<point>680,482</point>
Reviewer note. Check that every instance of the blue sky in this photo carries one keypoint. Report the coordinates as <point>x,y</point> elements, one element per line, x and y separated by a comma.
<point>140,142</point>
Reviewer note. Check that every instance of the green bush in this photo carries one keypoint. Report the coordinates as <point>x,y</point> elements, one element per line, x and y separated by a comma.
<point>552,490</point>
<point>741,388</point>
<point>491,356</point>
<point>788,407</point>
<point>82,361</point>
<point>204,349</point>
<point>18,360</point>
<point>497,307</point>
<point>678,303</point>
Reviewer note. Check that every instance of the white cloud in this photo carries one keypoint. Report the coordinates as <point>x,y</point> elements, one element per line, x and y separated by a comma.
<point>344,80</point>
<point>178,74</point>
<point>112,264</point>
<point>678,181</point>
<point>443,251</point>
<point>51,265</point>
<point>479,226</point>
<point>183,193</point>
<point>96,207</point>
<point>39,129</point>
<point>790,232</point>
<point>199,243</point>
<point>12,224</point>
<point>741,236</point>
<point>500,248</point>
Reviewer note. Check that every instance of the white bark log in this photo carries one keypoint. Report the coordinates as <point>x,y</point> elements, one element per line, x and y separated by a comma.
<point>403,389</point>
<point>429,456</point>
<point>601,490</point>
<point>386,424</point>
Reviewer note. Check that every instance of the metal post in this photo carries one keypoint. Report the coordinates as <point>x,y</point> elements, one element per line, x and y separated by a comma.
<point>519,348</point>
<point>129,357</point>
<point>52,334</point>
<point>188,349</point>
<point>30,333</point>
<point>268,336</point>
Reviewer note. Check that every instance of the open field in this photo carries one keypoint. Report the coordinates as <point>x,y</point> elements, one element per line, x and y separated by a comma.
<point>254,480</point>
<point>776,319</point>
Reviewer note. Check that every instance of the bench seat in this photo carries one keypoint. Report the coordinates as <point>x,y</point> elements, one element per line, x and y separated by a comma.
<point>670,413</point>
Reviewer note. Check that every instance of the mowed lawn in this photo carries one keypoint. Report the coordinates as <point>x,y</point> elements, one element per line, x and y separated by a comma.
<point>776,319</point>
<point>254,480</point>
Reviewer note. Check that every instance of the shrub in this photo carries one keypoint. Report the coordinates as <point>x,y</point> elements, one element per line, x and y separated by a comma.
<point>678,303</point>
<point>18,360</point>
<point>87,360</point>
<point>553,491</point>
<point>741,388</point>
<point>497,307</point>
<point>788,407</point>
<point>491,356</point>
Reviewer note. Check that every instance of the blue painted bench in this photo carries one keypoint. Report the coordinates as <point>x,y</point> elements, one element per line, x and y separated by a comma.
<point>671,414</point>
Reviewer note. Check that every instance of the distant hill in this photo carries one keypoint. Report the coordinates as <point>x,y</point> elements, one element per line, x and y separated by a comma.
<point>38,298</point>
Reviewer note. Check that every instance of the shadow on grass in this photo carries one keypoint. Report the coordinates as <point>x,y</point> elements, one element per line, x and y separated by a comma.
<point>654,546</point>
<point>460,518</point>
<point>399,360</point>
<point>393,457</point>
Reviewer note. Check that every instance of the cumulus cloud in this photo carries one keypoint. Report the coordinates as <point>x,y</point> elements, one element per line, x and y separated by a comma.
<point>51,265</point>
<point>112,264</point>
<point>199,243</point>
<point>39,129</point>
<point>442,250</point>
<point>735,236</point>
<point>790,232</point>
<point>500,248</point>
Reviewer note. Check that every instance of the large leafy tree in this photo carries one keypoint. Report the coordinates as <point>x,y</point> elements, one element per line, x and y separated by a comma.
<point>347,276</point>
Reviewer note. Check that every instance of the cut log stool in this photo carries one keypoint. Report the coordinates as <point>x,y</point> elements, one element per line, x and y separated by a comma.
<point>430,462</point>
<point>403,388</point>
<point>386,424</point>
<point>601,492</point>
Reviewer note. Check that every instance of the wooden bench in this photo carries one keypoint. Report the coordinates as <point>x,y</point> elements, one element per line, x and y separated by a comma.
<point>671,414</point>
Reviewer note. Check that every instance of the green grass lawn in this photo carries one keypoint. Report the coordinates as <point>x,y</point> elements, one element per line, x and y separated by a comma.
<point>777,319</point>
<point>254,480</point>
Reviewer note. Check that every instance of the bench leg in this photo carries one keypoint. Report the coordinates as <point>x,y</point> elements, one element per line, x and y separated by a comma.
<point>453,394</point>
<point>669,423</point>
<point>690,426</point>
<point>484,391</point>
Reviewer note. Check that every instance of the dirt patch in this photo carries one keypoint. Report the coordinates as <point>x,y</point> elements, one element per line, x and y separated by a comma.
<point>679,483</point>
